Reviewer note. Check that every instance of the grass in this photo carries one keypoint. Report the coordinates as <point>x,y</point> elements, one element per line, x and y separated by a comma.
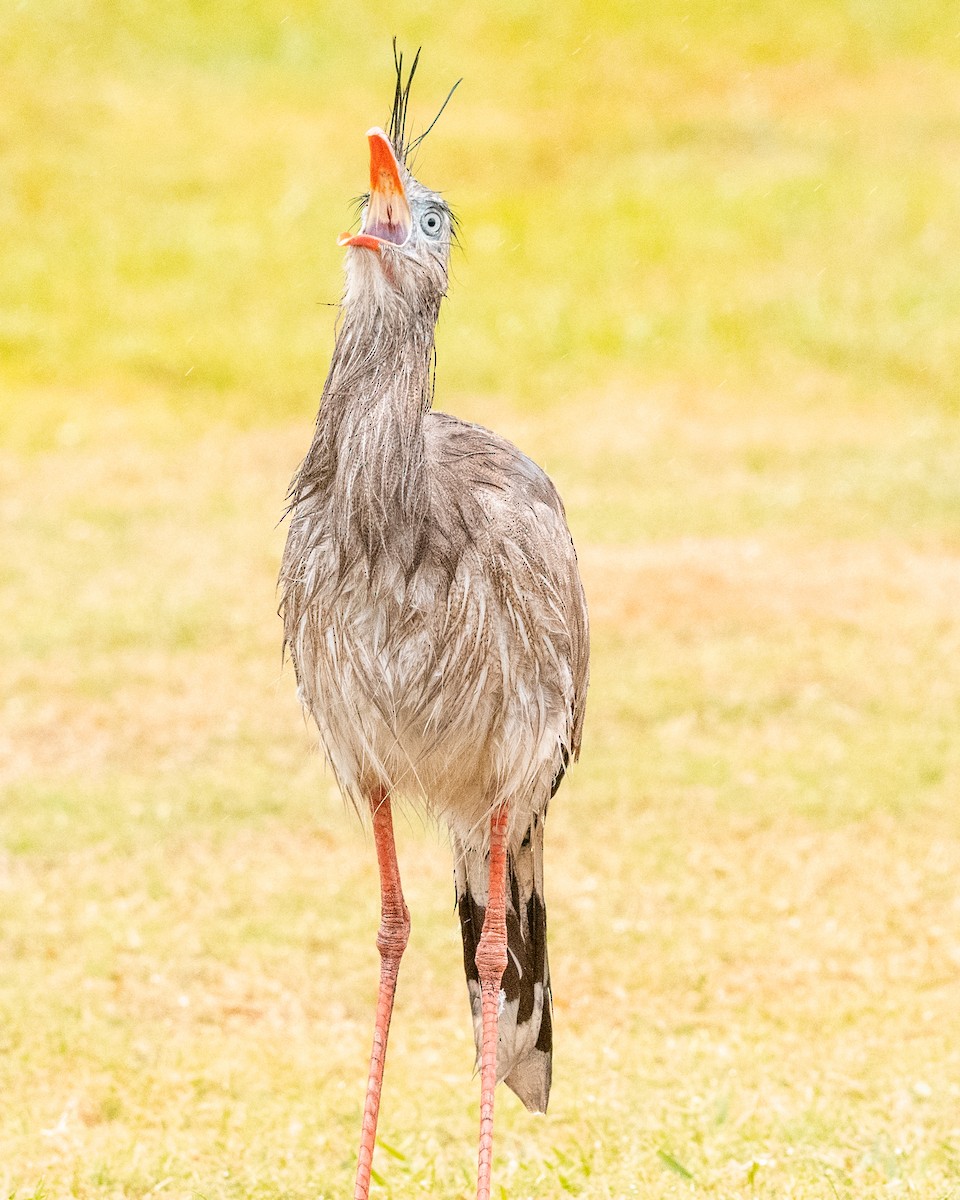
<point>708,280</point>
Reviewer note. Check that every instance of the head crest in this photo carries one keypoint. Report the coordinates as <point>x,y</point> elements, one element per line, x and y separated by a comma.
<point>397,129</point>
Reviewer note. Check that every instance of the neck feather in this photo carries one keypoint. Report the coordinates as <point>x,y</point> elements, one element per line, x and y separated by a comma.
<point>368,454</point>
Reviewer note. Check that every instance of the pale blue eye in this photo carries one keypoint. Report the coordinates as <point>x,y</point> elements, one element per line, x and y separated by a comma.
<point>431,223</point>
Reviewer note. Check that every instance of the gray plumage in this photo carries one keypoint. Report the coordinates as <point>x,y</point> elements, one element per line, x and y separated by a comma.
<point>433,609</point>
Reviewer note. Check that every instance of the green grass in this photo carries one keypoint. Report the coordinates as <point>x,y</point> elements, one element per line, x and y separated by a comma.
<point>708,279</point>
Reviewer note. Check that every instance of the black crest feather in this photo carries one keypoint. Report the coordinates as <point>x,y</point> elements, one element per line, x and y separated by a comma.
<point>397,129</point>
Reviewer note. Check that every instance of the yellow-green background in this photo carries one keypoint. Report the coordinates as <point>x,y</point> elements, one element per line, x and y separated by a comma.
<point>710,279</point>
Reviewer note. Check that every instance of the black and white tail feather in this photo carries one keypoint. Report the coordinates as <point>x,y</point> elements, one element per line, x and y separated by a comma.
<point>525,1026</point>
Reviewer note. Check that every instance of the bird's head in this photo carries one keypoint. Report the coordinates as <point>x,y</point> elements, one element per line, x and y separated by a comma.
<point>404,240</point>
<point>402,249</point>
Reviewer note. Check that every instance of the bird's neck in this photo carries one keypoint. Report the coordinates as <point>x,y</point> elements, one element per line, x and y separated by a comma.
<point>368,449</point>
<point>381,362</point>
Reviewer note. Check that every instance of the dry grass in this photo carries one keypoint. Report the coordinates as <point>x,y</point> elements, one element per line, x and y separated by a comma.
<point>709,281</point>
<point>756,946</point>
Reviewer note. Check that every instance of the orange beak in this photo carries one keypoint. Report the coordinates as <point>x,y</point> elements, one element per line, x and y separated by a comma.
<point>387,218</point>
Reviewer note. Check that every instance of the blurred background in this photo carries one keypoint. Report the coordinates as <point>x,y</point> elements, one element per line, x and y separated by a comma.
<point>709,280</point>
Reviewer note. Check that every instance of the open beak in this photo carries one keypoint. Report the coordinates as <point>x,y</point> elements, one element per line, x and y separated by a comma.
<point>386,219</point>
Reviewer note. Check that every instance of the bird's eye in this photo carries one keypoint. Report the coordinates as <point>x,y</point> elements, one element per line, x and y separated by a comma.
<point>431,223</point>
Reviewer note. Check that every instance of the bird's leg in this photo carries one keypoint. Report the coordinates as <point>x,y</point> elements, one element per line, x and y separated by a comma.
<point>391,941</point>
<point>491,963</point>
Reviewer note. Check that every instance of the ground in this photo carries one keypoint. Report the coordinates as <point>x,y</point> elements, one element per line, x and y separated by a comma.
<point>708,279</point>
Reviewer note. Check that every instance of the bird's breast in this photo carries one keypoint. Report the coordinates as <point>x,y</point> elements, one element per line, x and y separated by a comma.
<point>432,682</point>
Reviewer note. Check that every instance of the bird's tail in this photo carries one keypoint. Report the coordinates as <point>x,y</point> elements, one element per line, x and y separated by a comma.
<point>525,1026</point>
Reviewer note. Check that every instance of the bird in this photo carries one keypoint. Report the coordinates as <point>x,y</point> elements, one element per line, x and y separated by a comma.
<point>436,620</point>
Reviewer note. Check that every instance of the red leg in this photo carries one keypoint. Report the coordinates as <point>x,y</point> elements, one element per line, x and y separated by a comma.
<point>491,963</point>
<point>391,941</point>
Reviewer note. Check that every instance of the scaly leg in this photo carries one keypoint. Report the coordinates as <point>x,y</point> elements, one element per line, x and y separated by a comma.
<point>491,963</point>
<point>391,941</point>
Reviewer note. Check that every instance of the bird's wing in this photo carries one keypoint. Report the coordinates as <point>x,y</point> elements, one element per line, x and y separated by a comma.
<point>490,495</point>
